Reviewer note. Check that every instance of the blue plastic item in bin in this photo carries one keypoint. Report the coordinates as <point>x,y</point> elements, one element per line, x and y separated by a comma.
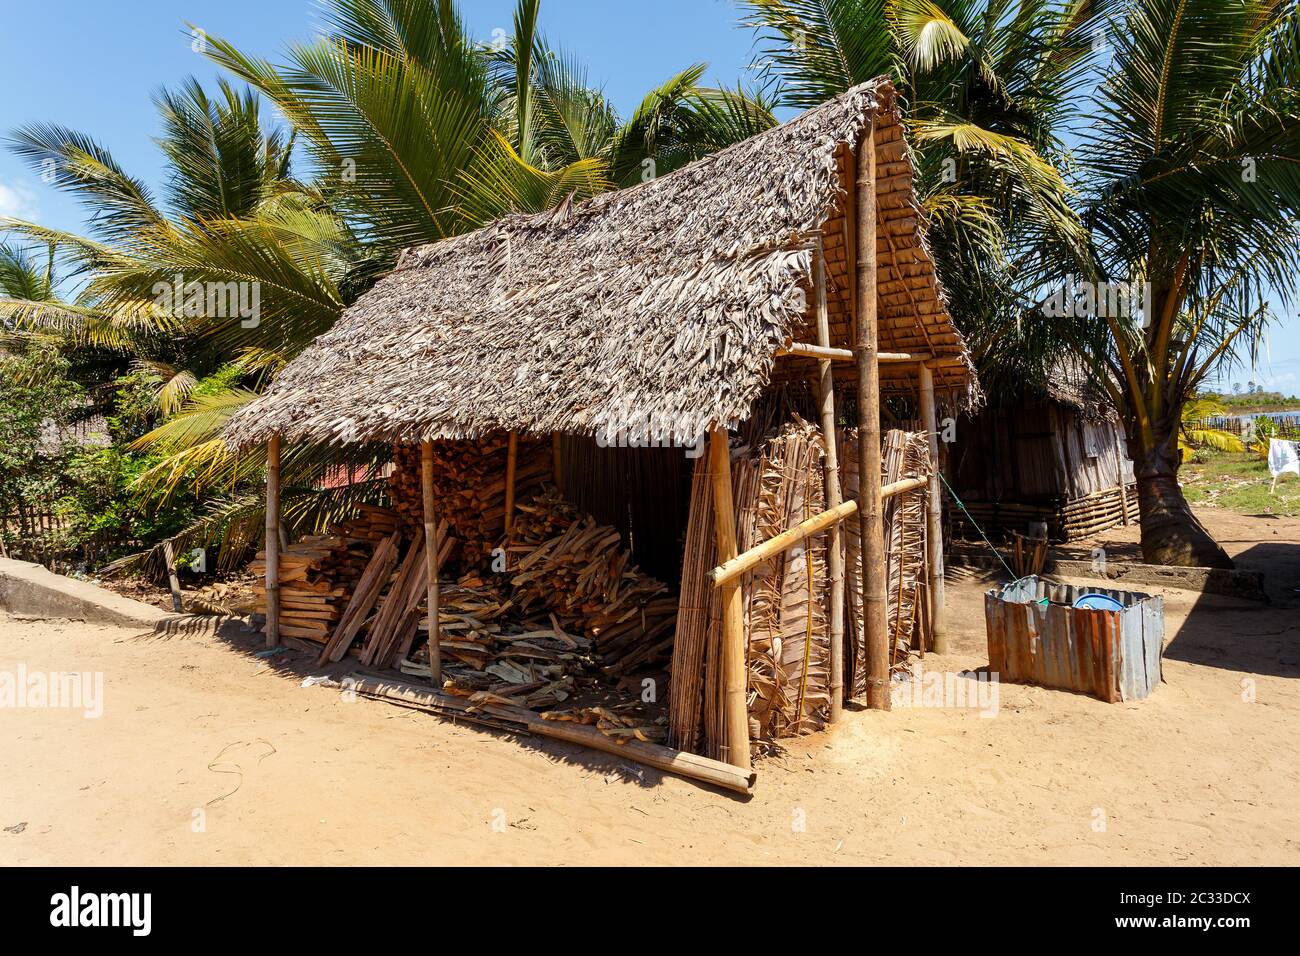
<point>1098,602</point>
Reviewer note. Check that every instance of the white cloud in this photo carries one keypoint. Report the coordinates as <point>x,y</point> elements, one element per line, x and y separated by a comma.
<point>18,200</point>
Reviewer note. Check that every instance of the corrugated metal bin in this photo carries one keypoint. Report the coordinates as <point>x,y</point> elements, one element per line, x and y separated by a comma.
<point>1037,636</point>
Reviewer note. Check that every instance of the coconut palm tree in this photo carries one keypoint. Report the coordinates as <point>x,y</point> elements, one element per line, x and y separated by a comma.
<point>989,89</point>
<point>414,133</point>
<point>423,133</point>
<point>1192,189</point>
<point>231,213</point>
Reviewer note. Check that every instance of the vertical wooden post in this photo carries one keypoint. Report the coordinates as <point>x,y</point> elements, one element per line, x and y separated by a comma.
<point>512,464</point>
<point>556,462</point>
<point>431,563</point>
<point>169,555</point>
<point>733,623</point>
<point>273,542</point>
<point>834,496</point>
<point>934,514</point>
<point>871,525</point>
<point>1119,474</point>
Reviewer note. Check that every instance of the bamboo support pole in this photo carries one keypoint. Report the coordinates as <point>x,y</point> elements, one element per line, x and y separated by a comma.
<point>902,486</point>
<point>823,353</point>
<point>870,516</point>
<point>736,712</point>
<point>431,559</point>
<point>777,544</point>
<point>1119,477</point>
<point>512,466</point>
<point>273,542</point>
<point>834,495</point>
<point>934,516</point>
<point>731,569</point>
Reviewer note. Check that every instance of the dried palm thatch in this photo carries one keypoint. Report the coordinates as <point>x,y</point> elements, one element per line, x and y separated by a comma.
<point>786,597</point>
<point>666,300</point>
<point>905,454</point>
<point>777,482</point>
<point>1074,384</point>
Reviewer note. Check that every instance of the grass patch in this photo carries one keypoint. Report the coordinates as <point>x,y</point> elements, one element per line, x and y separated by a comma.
<point>1237,482</point>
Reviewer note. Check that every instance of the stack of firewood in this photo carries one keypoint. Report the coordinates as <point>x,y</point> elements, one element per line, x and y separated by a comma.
<point>319,573</point>
<point>487,647</point>
<point>385,603</point>
<point>581,572</point>
<point>469,485</point>
<point>622,722</point>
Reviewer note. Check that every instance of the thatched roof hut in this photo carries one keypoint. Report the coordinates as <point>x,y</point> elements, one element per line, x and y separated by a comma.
<point>1058,457</point>
<point>674,295</point>
<point>684,300</point>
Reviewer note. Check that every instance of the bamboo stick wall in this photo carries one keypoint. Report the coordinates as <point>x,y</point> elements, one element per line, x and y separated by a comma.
<point>1041,462</point>
<point>777,482</point>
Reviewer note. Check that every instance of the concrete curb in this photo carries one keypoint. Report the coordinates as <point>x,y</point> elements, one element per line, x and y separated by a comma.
<point>29,590</point>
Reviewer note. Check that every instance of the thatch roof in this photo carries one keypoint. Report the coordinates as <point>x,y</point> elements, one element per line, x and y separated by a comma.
<point>1075,385</point>
<point>669,298</point>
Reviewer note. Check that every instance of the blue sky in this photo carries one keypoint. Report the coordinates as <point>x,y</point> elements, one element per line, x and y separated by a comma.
<point>92,65</point>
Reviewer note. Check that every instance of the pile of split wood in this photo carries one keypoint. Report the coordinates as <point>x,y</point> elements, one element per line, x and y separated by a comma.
<point>561,620</point>
<point>488,646</point>
<point>579,571</point>
<point>469,484</point>
<point>386,601</point>
<point>318,574</point>
<point>571,614</point>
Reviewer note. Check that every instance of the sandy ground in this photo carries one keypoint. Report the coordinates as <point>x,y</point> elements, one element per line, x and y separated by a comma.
<point>206,754</point>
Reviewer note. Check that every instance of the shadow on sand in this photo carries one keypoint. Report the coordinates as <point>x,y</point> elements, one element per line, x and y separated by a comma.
<point>297,664</point>
<point>1245,635</point>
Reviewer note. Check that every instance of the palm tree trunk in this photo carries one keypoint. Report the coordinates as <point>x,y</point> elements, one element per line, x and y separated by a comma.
<point>1171,533</point>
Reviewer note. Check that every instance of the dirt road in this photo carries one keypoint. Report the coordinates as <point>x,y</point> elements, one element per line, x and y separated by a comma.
<point>206,754</point>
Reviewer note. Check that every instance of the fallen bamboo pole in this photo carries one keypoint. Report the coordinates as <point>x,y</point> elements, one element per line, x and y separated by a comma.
<point>934,516</point>
<point>273,541</point>
<point>739,779</point>
<point>431,563</point>
<point>735,706</point>
<point>871,527</point>
<point>834,495</point>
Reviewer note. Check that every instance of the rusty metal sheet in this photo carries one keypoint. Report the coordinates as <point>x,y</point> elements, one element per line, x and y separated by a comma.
<point>1111,655</point>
